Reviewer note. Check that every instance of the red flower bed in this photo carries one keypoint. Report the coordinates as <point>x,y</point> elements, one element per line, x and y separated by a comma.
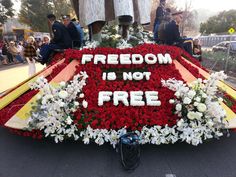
<point>109,116</point>
<point>230,102</point>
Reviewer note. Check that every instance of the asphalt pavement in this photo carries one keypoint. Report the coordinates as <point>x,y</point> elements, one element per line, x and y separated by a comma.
<point>26,157</point>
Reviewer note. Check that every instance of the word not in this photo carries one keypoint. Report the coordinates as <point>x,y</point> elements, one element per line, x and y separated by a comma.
<point>126,59</point>
<point>136,98</point>
<point>111,76</point>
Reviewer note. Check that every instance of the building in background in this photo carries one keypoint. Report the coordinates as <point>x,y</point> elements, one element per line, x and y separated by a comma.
<point>13,30</point>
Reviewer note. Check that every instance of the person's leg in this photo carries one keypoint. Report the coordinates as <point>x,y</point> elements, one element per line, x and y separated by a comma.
<point>32,68</point>
<point>10,57</point>
<point>46,51</point>
<point>18,58</point>
<point>187,45</point>
<point>4,61</point>
<point>155,34</point>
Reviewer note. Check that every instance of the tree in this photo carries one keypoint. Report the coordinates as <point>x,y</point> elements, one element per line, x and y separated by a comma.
<point>34,12</point>
<point>219,23</point>
<point>62,7</point>
<point>188,24</point>
<point>6,10</point>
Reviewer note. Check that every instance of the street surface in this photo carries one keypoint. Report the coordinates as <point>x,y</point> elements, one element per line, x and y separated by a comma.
<point>25,157</point>
<point>12,75</point>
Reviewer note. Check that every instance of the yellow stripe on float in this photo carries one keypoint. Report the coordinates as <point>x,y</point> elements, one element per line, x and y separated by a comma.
<point>20,119</point>
<point>185,74</point>
<point>220,84</point>
<point>15,93</point>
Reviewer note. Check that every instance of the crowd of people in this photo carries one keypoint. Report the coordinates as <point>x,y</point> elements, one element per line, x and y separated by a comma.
<point>67,34</point>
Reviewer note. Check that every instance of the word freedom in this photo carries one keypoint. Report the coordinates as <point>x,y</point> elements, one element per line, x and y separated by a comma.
<point>125,59</point>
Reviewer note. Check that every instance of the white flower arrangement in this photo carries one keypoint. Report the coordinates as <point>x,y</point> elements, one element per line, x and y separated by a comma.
<point>201,116</point>
<point>123,44</point>
<point>91,44</point>
<point>55,105</point>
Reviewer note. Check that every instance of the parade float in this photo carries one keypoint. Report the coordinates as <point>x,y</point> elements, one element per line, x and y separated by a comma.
<point>105,89</point>
<point>98,94</point>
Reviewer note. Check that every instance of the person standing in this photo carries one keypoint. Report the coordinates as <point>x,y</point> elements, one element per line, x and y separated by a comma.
<point>160,14</point>
<point>61,40</point>
<point>29,54</point>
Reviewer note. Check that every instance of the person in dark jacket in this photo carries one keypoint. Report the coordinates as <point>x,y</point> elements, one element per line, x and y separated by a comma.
<point>160,14</point>
<point>80,31</point>
<point>74,34</point>
<point>61,40</point>
<point>172,34</point>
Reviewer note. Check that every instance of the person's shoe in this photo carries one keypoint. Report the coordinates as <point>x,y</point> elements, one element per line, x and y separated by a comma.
<point>38,59</point>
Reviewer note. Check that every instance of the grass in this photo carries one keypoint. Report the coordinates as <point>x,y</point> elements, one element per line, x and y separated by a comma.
<point>217,61</point>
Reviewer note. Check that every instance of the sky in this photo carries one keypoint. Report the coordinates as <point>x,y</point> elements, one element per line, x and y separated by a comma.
<point>212,5</point>
<point>16,5</point>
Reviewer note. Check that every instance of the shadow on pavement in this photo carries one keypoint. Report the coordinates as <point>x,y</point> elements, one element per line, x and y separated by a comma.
<point>25,157</point>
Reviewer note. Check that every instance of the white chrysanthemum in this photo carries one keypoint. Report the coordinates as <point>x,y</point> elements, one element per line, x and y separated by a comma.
<point>69,120</point>
<point>204,95</point>
<point>195,104</point>
<point>62,84</point>
<point>198,99</point>
<point>198,115</point>
<point>187,100</point>
<point>180,122</point>
<point>85,104</point>
<point>177,94</point>
<point>81,95</point>
<point>191,115</point>
<point>63,94</point>
<point>178,107</point>
<point>171,101</point>
<point>191,93</point>
<point>201,107</point>
<point>76,103</point>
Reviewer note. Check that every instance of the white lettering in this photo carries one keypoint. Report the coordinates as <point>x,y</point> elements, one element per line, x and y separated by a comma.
<point>86,58</point>
<point>121,96</point>
<point>152,98</point>
<point>104,96</point>
<point>136,98</point>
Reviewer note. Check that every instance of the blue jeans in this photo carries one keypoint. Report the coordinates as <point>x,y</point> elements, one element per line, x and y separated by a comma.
<point>155,35</point>
<point>46,50</point>
<point>19,58</point>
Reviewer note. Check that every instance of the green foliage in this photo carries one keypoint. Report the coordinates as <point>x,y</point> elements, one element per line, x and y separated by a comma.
<point>6,10</point>
<point>217,60</point>
<point>219,23</point>
<point>34,12</point>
